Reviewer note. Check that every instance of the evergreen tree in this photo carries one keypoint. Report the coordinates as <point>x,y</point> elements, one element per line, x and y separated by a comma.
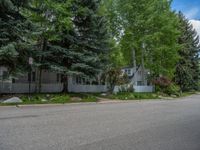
<point>15,29</point>
<point>187,69</point>
<point>92,38</point>
<point>53,20</point>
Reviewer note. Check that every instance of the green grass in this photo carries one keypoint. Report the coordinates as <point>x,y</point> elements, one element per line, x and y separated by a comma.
<point>54,99</point>
<point>185,94</point>
<point>132,96</point>
<point>84,97</point>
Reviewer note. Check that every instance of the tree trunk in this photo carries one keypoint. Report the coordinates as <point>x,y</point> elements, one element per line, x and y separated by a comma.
<point>40,81</point>
<point>134,66</point>
<point>65,84</point>
<point>142,64</point>
<point>134,59</point>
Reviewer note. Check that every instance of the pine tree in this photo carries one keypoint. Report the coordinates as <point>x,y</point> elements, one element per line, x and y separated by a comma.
<point>53,20</point>
<point>15,29</point>
<point>187,69</point>
<point>92,39</point>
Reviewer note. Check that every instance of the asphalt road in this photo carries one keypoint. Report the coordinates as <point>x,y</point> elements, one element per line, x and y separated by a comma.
<point>147,125</point>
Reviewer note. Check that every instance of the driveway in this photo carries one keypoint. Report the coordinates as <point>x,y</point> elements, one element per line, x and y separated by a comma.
<point>147,125</point>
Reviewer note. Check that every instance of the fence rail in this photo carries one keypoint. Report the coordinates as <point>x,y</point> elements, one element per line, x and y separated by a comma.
<point>137,89</point>
<point>88,88</point>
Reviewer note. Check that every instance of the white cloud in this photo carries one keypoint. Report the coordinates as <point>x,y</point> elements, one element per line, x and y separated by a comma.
<point>192,13</point>
<point>196,25</point>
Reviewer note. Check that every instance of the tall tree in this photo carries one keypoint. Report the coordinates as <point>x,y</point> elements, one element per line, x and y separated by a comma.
<point>15,35</point>
<point>52,18</point>
<point>187,69</point>
<point>149,33</point>
<point>92,38</point>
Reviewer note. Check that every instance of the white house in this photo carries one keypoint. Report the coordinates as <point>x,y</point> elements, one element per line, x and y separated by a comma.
<point>135,75</point>
<point>139,78</point>
<point>52,82</point>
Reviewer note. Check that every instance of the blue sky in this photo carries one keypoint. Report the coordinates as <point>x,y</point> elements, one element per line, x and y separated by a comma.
<point>191,8</point>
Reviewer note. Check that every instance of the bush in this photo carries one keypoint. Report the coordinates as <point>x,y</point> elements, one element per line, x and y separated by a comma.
<point>162,82</point>
<point>166,86</point>
<point>173,90</point>
<point>126,88</point>
<point>133,96</point>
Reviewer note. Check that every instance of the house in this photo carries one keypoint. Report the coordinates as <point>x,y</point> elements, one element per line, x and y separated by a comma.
<point>139,78</point>
<point>135,75</point>
<point>51,82</point>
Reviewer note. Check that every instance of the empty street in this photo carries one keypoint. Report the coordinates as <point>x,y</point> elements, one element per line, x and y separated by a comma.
<point>139,125</point>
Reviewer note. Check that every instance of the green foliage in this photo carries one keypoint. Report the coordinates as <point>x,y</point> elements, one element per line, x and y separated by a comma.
<point>91,35</point>
<point>187,69</point>
<point>57,98</point>
<point>149,28</point>
<point>113,76</point>
<point>89,98</point>
<point>60,99</point>
<point>15,28</point>
<point>166,86</point>
<point>172,89</point>
<point>133,96</point>
<point>126,88</point>
<point>45,99</point>
<point>82,37</point>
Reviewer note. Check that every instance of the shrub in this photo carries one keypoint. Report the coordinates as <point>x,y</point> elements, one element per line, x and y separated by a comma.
<point>134,96</point>
<point>113,76</point>
<point>173,89</point>
<point>166,86</point>
<point>162,82</point>
<point>126,88</point>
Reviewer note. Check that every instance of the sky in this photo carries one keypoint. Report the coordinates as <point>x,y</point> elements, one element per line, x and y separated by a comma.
<point>191,9</point>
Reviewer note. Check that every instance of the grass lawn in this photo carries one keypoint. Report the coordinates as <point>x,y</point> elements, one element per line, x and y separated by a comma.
<point>54,98</point>
<point>77,98</point>
<point>131,96</point>
<point>185,94</point>
<point>143,96</point>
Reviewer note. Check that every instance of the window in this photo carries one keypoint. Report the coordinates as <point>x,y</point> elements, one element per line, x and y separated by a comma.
<point>139,83</point>
<point>5,74</point>
<point>129,72</point>
<point>126,71</point>
<point>88,82</point>
<point>78,80</point>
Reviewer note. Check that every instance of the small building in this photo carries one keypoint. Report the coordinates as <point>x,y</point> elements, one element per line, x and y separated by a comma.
<point>51,82</point>
<point>139,78</point>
